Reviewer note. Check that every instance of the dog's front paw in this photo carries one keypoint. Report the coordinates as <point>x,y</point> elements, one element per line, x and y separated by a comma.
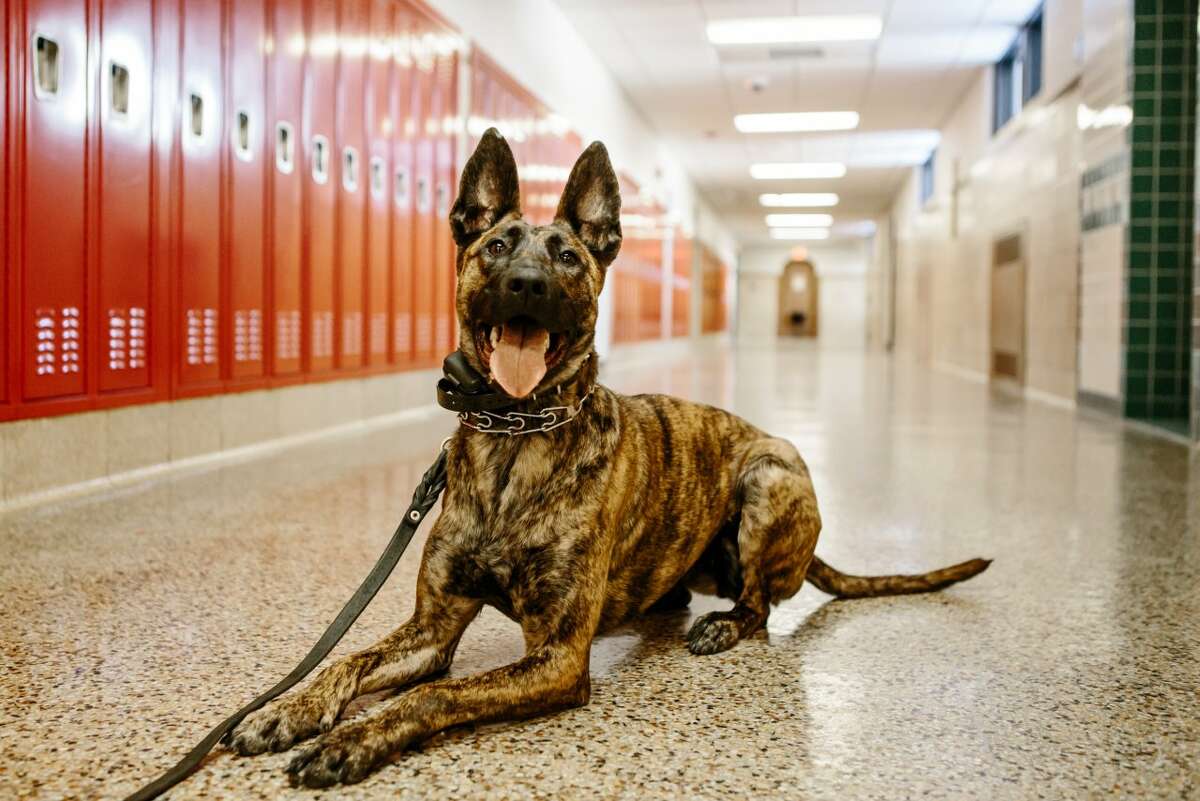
<point>712,633</point>
<point>345,756</point>
<point>281,725</point>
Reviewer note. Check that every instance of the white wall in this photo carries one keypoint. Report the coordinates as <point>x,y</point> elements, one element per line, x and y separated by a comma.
<point>842,295</point>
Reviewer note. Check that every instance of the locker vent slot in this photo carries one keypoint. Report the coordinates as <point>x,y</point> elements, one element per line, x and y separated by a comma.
<point>401,188</point>
<point>350,169</point>
<point>285,147</point>
<point>241,137</point>
<point>378,184</point>
<point>320,162</point>
<point>197,116</point>
<point>45,66</point>
<point>118,76</point>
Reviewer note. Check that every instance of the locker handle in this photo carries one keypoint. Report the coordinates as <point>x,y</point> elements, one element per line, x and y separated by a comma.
<point>443,199</point>
<point>45,66</point>
<point>320,159</point>
<point>118,89</point>
<point>241,137</point>
<point>423,195</point>
<point>350,169</point>
<point>196,107</point>
<point>377,173</point>
<point>285,147</point>
<point>401,187</point>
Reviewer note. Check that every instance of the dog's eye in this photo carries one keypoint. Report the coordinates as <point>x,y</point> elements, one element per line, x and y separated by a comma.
<point>496,247</point>
<point>568,257</point>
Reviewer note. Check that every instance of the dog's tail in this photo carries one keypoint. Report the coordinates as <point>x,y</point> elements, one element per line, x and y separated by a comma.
<point>834,582</point>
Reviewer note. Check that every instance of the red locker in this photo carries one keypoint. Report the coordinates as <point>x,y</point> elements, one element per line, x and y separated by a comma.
<point>122,342</point>
<point>199,236</point>
<point>424,258</point>
<point>52,167</point>
<point>682,284</point>
<point>380,128</point>
<point>444,110</point>
<point>10,75</point>
<point>288,175</point>
<point>322,184</point>
<point>243,328</point>
<point>353,28</point>
<point>402,192</point>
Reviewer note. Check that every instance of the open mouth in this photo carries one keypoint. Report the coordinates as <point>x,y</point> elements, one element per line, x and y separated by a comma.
<point>519,353</point>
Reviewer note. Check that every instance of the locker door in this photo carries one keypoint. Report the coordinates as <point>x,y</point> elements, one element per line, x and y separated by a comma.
<point>681,303</point>
<point>246,116</point>
<point>445,109</point>
<point>124,202</point>
<point>424,259</point>
<point>380,129</point>
<point>199,237</point>
<point>352,30</point>
<point>288,176</point>
<point>9,85</point>
<point>402,193</point>
<point>322,182</point>
<point>51,159</point>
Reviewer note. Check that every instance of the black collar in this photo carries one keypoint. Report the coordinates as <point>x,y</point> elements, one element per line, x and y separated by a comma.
<point>461,389</point>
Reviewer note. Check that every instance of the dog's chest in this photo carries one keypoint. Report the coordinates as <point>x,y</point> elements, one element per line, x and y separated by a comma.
<point>520,581</point>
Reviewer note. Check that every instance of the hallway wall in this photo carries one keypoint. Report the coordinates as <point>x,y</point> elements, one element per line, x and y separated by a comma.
<point>1024,180</point>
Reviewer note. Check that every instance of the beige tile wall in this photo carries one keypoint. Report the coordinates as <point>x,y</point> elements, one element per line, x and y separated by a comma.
<point>48,454</point>
<point>1103,84</point>
<point>1023,180</point>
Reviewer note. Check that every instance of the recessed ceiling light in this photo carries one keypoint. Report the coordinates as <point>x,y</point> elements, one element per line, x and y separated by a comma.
<point>796,121</point>
<point>799,220</point>
<point>777,30</point>
<point>799,199</point>
<point>797,169</point>
<point>799,233</point>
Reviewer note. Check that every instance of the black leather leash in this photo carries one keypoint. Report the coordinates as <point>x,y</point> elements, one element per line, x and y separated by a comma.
<point>461,389</point>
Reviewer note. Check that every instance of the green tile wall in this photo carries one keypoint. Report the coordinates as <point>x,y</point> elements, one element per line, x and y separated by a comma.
<point>1162,221</point>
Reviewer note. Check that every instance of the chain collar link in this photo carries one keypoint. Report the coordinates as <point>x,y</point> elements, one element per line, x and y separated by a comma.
<point>515,423</point>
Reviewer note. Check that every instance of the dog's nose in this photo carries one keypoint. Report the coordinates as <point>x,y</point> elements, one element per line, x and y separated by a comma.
<point>525,283</point>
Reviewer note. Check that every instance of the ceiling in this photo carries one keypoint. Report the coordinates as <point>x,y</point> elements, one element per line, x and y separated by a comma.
<point>902,84</point>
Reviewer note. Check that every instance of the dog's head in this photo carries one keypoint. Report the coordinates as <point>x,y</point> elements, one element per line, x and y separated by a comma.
<point>528,294</point>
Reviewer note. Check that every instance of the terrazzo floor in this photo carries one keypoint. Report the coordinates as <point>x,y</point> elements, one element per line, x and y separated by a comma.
<point>131,623</point>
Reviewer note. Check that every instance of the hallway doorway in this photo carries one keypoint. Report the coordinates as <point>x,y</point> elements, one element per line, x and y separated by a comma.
<point>1008,310</point>
<point>798,300</point>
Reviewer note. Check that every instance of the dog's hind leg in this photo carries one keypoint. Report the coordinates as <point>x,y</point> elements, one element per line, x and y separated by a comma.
<point>420,648</point>
<point>775,543</point>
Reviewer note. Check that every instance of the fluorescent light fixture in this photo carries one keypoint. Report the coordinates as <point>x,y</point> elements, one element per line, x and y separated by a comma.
<point>780,30</point>
<point>796,121</point>
<point>799,220</point>
<point>800,233</point>
<point>799,200</point>
<point>797,169</point>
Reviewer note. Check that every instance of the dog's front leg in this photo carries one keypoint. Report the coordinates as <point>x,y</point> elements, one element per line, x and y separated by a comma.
<point>421,647</point>
<point>545,680</point>
<point>553,675</point>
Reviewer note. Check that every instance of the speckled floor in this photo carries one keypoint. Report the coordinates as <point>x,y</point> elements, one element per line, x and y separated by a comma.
<point>132,623</point>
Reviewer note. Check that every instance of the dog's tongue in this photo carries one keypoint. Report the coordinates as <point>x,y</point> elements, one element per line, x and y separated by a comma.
<point>519,357</point>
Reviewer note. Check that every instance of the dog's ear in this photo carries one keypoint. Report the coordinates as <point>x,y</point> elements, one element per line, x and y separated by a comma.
<point>591,204</point>
<point>489,189</point>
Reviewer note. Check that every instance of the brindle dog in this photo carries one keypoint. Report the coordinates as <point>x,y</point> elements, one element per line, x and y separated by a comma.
<point>572,531</point>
